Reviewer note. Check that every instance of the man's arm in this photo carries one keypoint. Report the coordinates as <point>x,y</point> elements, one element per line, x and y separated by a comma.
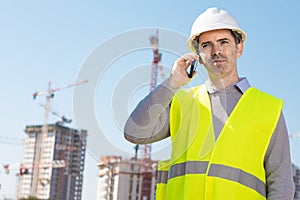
<point>149,121</point>
<point>278,165</point>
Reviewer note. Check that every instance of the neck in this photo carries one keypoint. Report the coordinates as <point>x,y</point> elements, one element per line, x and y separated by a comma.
<point>223,82</point>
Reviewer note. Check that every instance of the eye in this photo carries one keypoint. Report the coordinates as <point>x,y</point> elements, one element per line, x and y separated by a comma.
<point>204,45</point>
<point>224,42</point>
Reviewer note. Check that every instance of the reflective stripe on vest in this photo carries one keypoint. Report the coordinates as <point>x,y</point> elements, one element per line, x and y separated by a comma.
<point>238,175</point>
<point>191,167</point>
<point>220,171</point>
<point>162,176</point>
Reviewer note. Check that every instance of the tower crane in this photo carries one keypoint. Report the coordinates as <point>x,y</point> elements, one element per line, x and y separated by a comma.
<point>145,150</point>
<point>50,92</point>
<point>62,117</point>
<point>40,138</point>
<point>49,95</point>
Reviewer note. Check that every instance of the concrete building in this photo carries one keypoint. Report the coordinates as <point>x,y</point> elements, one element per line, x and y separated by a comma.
<point>53,163</point>
<point>296,175</point>
<point>126,179</point>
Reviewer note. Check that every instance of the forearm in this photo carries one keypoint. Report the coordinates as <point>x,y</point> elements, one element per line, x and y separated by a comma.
<point>278,165</point>
<point>149,121</point>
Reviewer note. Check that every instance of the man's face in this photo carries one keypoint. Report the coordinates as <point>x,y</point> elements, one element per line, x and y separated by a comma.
<point>219,53</point>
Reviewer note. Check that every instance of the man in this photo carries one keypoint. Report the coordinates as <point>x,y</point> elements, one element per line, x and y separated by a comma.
<point>229,140</point>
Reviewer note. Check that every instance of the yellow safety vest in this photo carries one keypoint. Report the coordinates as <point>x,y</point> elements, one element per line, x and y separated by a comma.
<point>231,167</point>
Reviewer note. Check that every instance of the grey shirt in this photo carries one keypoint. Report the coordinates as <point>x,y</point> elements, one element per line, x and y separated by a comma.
<point>149,122</point>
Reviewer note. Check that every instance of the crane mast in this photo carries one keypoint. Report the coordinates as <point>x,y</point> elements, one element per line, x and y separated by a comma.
<point>145,150</point>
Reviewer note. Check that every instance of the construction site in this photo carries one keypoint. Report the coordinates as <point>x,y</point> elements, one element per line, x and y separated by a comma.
<point>54,157</point>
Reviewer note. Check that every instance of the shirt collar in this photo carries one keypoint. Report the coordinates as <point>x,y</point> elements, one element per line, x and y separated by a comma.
<point>242,85</point>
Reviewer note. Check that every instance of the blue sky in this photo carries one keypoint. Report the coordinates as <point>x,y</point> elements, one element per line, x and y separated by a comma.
<point>43,41</point>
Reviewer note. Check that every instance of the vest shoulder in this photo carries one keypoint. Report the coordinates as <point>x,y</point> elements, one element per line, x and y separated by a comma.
<point>188,91</point>
<point>259,92</point>
<point>263,98</point>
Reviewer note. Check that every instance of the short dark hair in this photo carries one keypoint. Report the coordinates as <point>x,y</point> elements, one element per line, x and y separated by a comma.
<point>195,43</point>
<point>237,36</point>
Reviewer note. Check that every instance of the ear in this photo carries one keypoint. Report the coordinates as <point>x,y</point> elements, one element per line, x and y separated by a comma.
<point>240,48</point>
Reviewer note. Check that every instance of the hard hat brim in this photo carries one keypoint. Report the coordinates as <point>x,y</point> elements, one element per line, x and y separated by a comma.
<point>191,40</point>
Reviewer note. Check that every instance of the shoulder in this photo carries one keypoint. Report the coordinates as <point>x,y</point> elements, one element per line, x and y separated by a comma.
<point>188,93</point>
<point>261,94</point>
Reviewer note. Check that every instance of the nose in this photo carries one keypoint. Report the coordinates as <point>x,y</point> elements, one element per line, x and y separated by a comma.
<point>216,50</point>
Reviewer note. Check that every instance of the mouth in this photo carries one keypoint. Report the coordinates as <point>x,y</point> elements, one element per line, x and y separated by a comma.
<point>218,61</point>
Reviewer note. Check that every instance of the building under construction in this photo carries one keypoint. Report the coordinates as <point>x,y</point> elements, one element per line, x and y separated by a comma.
<point>53,163</point>
<point>132,179</point>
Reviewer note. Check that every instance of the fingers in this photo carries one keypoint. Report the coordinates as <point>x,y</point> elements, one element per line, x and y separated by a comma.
<point>186,60</point>
<point>179,75</point>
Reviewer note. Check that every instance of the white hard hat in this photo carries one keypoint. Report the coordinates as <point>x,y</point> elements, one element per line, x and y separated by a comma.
<point>213,19</point>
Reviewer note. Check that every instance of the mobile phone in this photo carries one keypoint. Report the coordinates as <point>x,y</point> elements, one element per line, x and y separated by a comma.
<point>193,68</point>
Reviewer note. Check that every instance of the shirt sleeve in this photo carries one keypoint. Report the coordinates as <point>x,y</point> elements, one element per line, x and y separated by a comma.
<point>278,165</point>
<point>149,121</point>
